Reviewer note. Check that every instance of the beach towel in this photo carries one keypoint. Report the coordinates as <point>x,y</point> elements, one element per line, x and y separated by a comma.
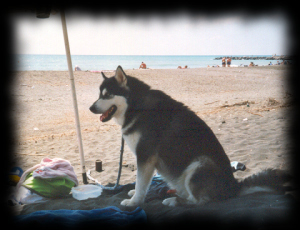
<point>253,210</point>
<point>106,217</point>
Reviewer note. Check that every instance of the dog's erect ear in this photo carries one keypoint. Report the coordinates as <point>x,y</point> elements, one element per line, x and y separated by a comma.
<point>121,77</point>
<point>104,77</point>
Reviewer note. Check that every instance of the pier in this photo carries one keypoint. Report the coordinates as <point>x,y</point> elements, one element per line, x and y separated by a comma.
<point>281,57</point>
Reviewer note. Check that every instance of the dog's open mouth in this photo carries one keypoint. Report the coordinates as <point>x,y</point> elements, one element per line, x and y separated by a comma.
<point>107,115</point>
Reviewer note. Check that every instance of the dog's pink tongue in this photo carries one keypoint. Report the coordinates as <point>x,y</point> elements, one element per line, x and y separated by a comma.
<point>101,117</point>
<point>104,115</point>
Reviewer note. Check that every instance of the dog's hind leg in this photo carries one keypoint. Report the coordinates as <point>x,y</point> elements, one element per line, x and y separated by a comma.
<point>145,172</point>
<point>197,184</point>
<point>183,187</point>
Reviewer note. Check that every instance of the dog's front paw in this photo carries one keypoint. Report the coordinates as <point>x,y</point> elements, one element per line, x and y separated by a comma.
<point>172,202</point>
<point>131,192</point>
<point>129,202</point>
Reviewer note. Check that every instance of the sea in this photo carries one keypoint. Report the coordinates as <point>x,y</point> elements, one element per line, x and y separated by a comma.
<point>26,62</point>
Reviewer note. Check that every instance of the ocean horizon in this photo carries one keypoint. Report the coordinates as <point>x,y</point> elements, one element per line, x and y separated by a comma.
<point>27,62</point>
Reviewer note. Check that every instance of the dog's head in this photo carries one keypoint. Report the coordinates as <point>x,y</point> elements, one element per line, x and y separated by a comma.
<point>112,99</point>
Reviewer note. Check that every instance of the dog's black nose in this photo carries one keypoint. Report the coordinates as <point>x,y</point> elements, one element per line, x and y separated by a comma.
<point>92,109</point>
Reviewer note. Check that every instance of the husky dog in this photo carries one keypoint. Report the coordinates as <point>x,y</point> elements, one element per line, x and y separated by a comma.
<point>167,136</point>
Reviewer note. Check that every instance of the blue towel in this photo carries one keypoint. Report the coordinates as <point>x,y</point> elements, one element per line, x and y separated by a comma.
<point>109,216</point>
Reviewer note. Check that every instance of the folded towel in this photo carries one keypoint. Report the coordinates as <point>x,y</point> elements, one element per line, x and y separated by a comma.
<point>51,168</point>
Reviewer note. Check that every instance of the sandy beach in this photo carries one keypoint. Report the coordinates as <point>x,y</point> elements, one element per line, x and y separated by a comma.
<point>245,107</point>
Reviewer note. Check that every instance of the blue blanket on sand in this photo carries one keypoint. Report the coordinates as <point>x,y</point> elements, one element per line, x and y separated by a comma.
<point>110,216</point>
<point>257,210</point>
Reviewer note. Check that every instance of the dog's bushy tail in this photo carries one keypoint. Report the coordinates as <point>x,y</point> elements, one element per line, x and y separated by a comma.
<point>269,180</point>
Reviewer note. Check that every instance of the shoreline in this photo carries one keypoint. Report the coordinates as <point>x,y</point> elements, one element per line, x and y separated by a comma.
<point>219,66</point>
<point>108,62</point>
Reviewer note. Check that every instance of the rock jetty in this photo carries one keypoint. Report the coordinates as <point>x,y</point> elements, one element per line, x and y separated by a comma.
<point>281,57</point>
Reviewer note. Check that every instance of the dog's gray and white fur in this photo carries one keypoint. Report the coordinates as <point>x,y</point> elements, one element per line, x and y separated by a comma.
<point>167,136</point>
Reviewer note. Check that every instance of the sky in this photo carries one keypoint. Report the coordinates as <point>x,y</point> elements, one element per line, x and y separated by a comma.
<point>180,34</point>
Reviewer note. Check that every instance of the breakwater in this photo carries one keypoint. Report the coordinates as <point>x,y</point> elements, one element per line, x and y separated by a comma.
<point>281,57</point>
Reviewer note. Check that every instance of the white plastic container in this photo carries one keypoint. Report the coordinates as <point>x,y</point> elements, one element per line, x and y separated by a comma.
<point>83,192</point>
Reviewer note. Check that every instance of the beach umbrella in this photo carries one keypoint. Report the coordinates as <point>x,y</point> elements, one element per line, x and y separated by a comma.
<point>44,12</point>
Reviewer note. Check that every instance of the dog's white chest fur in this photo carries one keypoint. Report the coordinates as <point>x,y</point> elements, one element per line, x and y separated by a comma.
<point>131,139</point>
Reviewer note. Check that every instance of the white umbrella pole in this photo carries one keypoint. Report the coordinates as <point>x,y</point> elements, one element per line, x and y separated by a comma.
<point>68,54</point>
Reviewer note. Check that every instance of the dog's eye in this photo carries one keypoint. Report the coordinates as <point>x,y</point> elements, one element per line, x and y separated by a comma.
<point>105,94</point>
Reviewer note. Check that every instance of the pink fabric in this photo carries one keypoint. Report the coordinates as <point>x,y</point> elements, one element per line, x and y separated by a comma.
<point>51,168</point>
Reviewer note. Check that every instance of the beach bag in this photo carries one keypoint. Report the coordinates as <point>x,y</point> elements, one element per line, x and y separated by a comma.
<point>58,187</point>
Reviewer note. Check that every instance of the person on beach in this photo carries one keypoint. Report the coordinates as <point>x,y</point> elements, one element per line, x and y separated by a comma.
<point>77,68</point>
<point>143,66</point>
<point>251,64</point>
<point>228,62</point>
<point>179,67</point>
<point>223,62</point>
